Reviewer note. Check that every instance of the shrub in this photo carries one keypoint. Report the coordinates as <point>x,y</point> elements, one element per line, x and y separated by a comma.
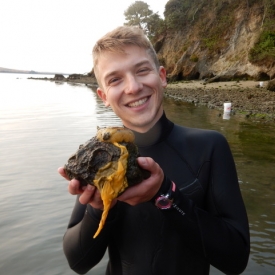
<point>194,58</point>
<point>264,48</point>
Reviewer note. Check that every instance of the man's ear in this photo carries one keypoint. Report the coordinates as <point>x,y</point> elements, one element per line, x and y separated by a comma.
<point>102,95</point>
<point>162,75</point>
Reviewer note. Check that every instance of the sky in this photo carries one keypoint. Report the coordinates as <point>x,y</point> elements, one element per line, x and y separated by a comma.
<point>58,35</point>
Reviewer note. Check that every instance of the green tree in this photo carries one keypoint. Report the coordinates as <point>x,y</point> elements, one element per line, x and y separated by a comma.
<point>139,14</point>
<point>176,13</point>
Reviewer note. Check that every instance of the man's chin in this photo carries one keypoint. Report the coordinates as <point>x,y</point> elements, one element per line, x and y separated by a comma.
<point>141,125</point>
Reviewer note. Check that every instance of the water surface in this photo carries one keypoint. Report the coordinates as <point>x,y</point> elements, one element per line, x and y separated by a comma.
<point>42,123</point>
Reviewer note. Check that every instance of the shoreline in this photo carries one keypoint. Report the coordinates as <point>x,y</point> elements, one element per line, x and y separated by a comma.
<point>247,98</point>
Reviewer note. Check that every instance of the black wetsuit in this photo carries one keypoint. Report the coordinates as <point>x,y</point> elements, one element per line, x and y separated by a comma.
<point>209,225</point>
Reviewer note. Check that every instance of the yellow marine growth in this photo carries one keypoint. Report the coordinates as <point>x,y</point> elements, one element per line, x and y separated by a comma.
<point>111,181</point>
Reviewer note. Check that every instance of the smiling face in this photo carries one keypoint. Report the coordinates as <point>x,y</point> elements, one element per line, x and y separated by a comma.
<point>132,86</point>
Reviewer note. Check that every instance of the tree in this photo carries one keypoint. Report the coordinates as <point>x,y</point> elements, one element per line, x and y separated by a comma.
<point>139,14</point>
<point>176,13</point>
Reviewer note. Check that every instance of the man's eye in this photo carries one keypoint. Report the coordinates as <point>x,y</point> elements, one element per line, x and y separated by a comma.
<point>143,70</point>
<point>113,80</point>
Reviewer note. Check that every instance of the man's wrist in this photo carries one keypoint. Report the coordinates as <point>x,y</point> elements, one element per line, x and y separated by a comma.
<point>165,201</point>
<point>164,188</point>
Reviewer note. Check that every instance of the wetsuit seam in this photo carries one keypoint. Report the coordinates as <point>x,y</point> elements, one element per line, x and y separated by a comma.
<point>199,171</point>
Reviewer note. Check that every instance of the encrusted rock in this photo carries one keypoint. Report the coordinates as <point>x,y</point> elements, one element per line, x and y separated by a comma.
<point>107,161</point>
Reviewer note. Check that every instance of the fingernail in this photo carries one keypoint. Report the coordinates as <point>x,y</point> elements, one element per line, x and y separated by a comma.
<point>142,161</point>
<point>90,187</point>
<point>73,183</point>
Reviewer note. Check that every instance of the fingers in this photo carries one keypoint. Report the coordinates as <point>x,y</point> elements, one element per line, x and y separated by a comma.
<point>92,196</point>
<point>147,189</point>
<point>147,163</point>
<point>74,187</point>
<point>87,194</point>
<point>139,193</point>
<point>144,162</point>
<point>62,172</point>
<point>150,165</point>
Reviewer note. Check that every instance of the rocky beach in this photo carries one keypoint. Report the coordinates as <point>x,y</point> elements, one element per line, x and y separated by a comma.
<point>248,98</point>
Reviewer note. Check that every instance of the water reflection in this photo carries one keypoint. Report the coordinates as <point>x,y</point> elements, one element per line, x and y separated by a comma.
<point>226,116</point>
<point>104,114</point>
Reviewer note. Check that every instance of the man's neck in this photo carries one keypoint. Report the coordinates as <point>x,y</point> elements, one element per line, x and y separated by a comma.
<point>155,134</point>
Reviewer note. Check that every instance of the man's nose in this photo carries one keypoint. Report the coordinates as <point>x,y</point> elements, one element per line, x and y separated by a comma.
<point>132,84</point>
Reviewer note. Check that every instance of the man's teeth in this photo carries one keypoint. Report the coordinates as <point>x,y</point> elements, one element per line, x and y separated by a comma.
<point>137,103</point>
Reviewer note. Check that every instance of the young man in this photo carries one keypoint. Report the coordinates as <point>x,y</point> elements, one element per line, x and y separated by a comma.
<point>189,213</point>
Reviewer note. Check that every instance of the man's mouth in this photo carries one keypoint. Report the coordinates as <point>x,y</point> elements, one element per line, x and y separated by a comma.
<point>138,103</point>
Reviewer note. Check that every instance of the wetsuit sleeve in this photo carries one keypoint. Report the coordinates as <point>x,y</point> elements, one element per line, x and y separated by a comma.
<point>219,233</point>
<point>82,250</point>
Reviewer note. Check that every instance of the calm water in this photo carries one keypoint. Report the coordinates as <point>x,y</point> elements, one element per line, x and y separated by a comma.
<point>41,125</point>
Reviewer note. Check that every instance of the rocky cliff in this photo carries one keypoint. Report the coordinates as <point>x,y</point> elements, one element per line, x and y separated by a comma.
<point>218,39</point>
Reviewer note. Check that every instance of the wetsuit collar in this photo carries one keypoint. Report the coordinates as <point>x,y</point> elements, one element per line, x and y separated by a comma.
<point>156,134</point>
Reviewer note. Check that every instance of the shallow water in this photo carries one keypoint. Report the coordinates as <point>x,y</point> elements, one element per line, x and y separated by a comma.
<point>42,123</point>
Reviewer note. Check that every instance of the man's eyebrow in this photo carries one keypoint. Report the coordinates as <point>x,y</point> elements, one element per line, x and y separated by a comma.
<point>144,62</point>
<point>110,75</point>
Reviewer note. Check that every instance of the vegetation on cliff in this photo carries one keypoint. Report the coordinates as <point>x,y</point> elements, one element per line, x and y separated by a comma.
<point>264,48</point>
<point>200,39</point>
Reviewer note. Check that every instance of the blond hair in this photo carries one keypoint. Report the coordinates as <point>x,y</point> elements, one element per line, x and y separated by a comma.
<point>116,40</point>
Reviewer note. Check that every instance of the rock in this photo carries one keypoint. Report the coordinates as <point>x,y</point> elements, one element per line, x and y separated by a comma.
<point>91,159</point>
<point>271,85</point>
<point>74,76</point>
<point>107,161</point>
<point>59,77</point>
<point>213,79</point>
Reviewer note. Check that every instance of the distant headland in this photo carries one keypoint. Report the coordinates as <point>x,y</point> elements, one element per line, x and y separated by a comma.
<point>10,71</point>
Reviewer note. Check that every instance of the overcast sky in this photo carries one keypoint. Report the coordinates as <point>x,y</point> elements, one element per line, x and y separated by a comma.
<point>58,35</point>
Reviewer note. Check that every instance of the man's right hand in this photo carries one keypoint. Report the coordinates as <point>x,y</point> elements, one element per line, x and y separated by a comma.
<point>88,194</point>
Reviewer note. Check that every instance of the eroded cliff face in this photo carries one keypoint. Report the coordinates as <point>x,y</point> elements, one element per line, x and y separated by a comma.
<point>216,42</point>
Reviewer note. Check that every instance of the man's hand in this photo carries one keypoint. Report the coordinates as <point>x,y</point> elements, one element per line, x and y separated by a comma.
<point>148,188</point>
<point>88,194</point>
<point>139,193</point>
